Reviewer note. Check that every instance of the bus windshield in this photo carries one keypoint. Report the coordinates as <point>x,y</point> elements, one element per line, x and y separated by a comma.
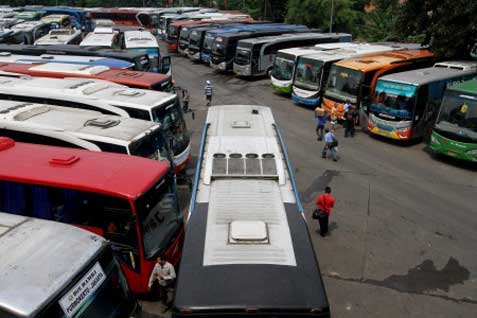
<point>208,42</point>
<point>283,67</point>
<point>173,125</point>
<point>194,39</point>
<point>308,74</point>
<point>151,146</point>
<point>152,52</point>
<point>459,114</point>
<point>394,100</point>
<point>343,83</point>
<point>242,57</point>
<point>159,216</point>
<point>109,299</point>
<point>173,31</point>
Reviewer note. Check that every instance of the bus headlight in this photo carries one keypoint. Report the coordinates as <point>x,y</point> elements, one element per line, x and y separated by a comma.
<point>472,152</point>
<point>434,140</point>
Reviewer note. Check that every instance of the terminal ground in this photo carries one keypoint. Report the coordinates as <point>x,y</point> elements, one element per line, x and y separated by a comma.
<point>403,231</point>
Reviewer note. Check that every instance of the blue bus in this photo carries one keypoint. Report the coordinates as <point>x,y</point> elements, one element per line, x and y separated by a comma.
<point>80,19</point>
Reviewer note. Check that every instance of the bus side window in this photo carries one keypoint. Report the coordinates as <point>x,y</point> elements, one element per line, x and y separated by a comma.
<point>13,198</point>
<point>136,113</point>
<point>104,146</point>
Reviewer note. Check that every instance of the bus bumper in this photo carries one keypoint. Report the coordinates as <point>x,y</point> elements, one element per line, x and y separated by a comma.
<point>451,148</point>
<point>388,129</point>
<point>242,70</point>
<point>282,87</point>
<point>181,160</point>
<point>306,101</point>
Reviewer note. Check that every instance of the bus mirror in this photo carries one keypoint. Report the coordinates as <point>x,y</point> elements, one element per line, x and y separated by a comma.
<point>133,261</point>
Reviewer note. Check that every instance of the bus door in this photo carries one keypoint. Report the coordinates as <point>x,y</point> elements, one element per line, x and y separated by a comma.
<point>421,116</point>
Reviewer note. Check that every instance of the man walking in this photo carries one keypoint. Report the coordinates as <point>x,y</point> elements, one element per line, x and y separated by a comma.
<point>208,92</point>
<point>350,121</point>
<point>320,119</point>
<point>324,203</point>
<point>163,276</point>
<point>330,144</point>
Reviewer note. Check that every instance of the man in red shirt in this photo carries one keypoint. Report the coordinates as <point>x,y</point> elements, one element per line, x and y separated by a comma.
<point>324,203</point>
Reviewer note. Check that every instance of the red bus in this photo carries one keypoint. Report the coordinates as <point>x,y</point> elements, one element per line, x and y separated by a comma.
<point>134,79</point>
<point>118,16</point>
<point>131,201</point>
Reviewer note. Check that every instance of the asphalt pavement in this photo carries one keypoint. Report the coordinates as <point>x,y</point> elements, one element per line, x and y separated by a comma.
<point>403,232</point>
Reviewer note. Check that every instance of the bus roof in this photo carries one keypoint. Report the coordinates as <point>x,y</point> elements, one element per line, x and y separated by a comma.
<point>79,123</point>
<point>88,89</point>
<point>459,65</point>
<point>58,36</point>
<point>140,39</point>
<point>376,61</point>
<point>467,87</point>
<point>286,36</point>
<point>54,18</point>
<point>108,173</point>
<point>39,259</point>
<point>425,75</point>
<point>98,39</point>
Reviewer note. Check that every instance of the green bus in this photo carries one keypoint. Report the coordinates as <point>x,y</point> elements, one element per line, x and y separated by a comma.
<point>455,131</point>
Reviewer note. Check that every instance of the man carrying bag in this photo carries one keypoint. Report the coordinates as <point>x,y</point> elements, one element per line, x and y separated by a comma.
<point>324,203</point>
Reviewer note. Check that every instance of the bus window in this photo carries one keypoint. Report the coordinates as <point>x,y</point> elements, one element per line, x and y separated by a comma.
<point>12,197</point>
<point>109,147</point>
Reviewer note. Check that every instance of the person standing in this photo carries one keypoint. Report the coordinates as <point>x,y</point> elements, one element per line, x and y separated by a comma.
<point>330,144</point>
<point>333,116</point>
<point>324,203</point>
<point>209,91</point>
<point>350,121</point>
<point>320,119</point>
<point>163,276</point>
<point>185,100</point>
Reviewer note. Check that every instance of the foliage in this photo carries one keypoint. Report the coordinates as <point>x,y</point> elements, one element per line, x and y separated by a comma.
<point>448,26</point>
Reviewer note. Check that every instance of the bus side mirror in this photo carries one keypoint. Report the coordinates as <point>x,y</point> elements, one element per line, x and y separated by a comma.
<point>165,65</point>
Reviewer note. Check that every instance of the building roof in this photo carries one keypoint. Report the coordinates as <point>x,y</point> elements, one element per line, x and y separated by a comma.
<point>39,259</point>
<point>103,172</point>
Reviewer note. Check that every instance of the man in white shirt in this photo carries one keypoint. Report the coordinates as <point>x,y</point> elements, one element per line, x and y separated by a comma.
<point>163,275</point>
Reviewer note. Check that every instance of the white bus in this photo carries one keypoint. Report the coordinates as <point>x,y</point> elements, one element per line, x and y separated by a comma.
<point>101,37</point>
<point>56,270</point>
<point>247,239</point>
<point>106,97</point>
<point>28,31</point>
<point>79,128</point>
<point>312,70</point>
<point>144,41</point>
<point>60,36</point>
<point>255,56</point>
<point>284,64</point>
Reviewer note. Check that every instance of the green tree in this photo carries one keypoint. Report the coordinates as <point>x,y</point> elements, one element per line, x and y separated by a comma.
<point>380,24</point>
<point>448,26</point>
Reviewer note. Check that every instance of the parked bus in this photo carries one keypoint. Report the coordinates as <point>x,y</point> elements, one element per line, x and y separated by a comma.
<point>101,37</point>
<point>58,21</point>
<point>7,57</point>
<point>133,79</point>
<point>129,200</point>
<point>55,270</point>
<point>311,70</point>
<point>118,16</point>
<point>246,226</point>
<point>455,131</point>
<point>60,36</point>
<point>197,41</point>
<point>354,80</point>
<point>144,41</point>
<point>28,32</point>
<point>224,45</point>
<point>160,107</point>
<point>30,15</point>
<point>139,61</point>
<point>255,56</point>
<point>79,18</point>
<point>405,105</point>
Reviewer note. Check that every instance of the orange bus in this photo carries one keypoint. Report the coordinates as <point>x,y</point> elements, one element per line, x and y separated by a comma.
<point>354,80</point>
<point>134,79</point>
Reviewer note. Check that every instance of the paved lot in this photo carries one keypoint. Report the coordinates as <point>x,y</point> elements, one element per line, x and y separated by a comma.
<point>403,232</point>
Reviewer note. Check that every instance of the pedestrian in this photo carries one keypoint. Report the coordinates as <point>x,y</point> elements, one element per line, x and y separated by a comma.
<point>346,105</point>
<point>350,121</point>
<point>162,277</point>
<point>324,203</point>
<point>330,144</point>
<point>208,92</point>
<point>320,119</point>
<point>185,100</point>
<point>333,116</point>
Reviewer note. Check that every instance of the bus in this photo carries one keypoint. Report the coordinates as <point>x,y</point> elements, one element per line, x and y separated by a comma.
<point>73,272</point>
<point>79,18</point>
<point>30,15</point>
<point>354,80</point>
<point>27,32</point>
<point>101,37</point>
<point>57,21</point>
<point>138,61</point>
<point>246,226</point>
<point>129,200</point>
<point>7,57</point>
<point>106,97</point>
<point>224,45</point>
<point>79,128</point>
<point>133,79</point>
<point>60,36</point>
<point>144,41</point>
<point>311,70</point>
<point>197,40</point>
<point>255,56</point>
<point>455,131</point>
<point>405,104</point>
